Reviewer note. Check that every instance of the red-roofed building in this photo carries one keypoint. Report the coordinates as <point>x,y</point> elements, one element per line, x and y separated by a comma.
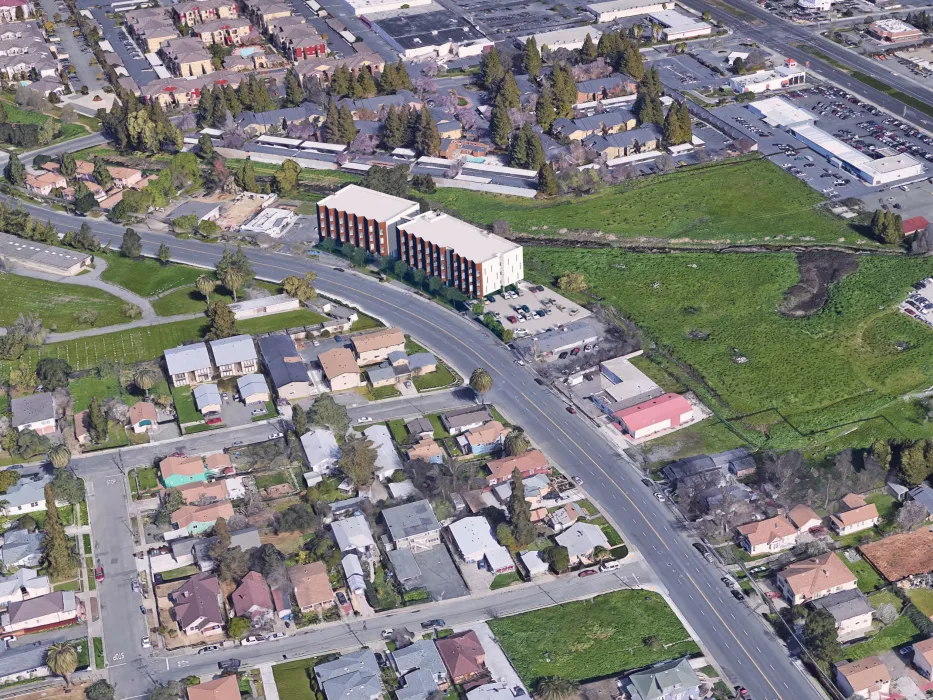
<point>252,598</point>
<point>667,411</point>
<point>463,655</point>
<point>914,224</point>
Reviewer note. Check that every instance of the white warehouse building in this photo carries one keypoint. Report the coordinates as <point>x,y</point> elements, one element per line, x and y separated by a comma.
<point>815,5</point>
<point>564,38</point>
<point>678,26</point>
<point>617,9</point>
<point>760,81</point>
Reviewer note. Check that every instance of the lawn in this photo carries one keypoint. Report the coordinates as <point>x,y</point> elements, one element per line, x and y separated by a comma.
<point>17,115</point>
<point>147,276</point>
<point>185,408</point>
<point>81,646</point>
<point>612,536</point>
<point>99,661</point>
<point>851,361</point>
<point>900,632</point>
<point>886,504</point>
<point>377,393</point>
<point>740,200</point>
<point>56,303</point>
<point>441,377</point>
<point>868,579</point>
<point>365,323</point>
<point>879,598</point>
<point>594,638</point>
<point>84,389</point>
<point>293,679</point>
<point>188,300</point>
<point>504,580</point>
<point>334,178</point>
<point>182,572</point>
<point>148,478</point>
<point>398,430</point>
<point>923,599</point>
<point>276,322</point>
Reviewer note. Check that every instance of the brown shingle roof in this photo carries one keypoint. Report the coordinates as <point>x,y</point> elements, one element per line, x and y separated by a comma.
<point>463,654</point>
<point>812,577</point>
<point>198,597</point>
<point>503,468</point>
<point>764,531</point>
<point>186,515</point>
<point>376,340</point>
<point>253,591</point>
<point>487,433</point>
<point>800,515</point>
<point>900,556</point>
<point>338,361</point>
<point>866,674</point>
<point>193,493</point>
<point>856,515</point>
<point>225,688</point>
<point>182,466</point>
<point>312,586</point>
<point>142,411</point>
<point>852,500</point>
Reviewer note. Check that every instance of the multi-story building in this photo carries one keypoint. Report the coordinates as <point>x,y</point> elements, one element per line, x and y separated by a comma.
<point>226,32</point>
<point>177,92</point>
<point>23,48</point>
<point>15,10</point>
<point>187,58</point>
<point>198,11</point>
<point>188,364</point>
<point>151,28</point>
<point>462,255</point>
<point>364,218</point>
<point>322,69</point>
<point>297,41</point>
<point>262,12</point>
<point>235,356</point>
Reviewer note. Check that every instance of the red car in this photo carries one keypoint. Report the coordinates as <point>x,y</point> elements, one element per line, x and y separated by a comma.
<point>571,409</point>
<point>99,574</point>
<point>214,420</point>
<point>772,594</point>
<point>575,351</point>
<point>587,572</point>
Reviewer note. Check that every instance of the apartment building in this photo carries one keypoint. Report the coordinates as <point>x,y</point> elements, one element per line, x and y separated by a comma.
<point>188,364</point>
<point>199,11</point>
<point>235,356</point>
<point>462,255</point>
<point>364,218</point>
<point>15,10</point>
<point>376,346</point>
<point>297,41</point>
<point>178,92</point>
<point>151,28</point>
<point>226,32</point>
<point>187,58</point>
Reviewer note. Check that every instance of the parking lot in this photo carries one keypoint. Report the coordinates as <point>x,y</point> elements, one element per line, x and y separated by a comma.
<point>79,55</point>
<point>919,303</point>
<point>133,60</point>
<point>530,311</point>
<point>686,73</point>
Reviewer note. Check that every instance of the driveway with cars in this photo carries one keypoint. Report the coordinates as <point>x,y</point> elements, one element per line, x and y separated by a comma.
<point>546,309</point>
<point>79,55</point>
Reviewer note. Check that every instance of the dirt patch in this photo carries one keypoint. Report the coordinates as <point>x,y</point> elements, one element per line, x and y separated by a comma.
<point>818,270</point>
<point>900,556</point>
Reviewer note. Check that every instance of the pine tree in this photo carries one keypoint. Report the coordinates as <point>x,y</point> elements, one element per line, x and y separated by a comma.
<point>233,102</point>
<point>96,422</point>
<point>15,171</point>
<point>672,127</point>
<point>565,90</point>
<point>518,149</point>
<point>393,131</point>
<point>205,147</point>
<point>365,85</point>
<point>427,139</point>
<point>877,223</point>
<point>531,58</point>
<point>648,108</point>
<point>294,95</point>
<point>205,107</point>
<point>387,80</point>
<point>588,50</point>
<point>544,109</point>
<point>332,124</point>
<point>246,177</point>
<point>58,557</point>
<point>346,126</point>
<point>633,63</point>
<point>535,153</point>
<point>218,110</point>
<point>402,79</point>
<point>490,69</point>
<point>547,181</point>
<point>500,125</point>
<point>340,84</point>
<point>508,91</point>
<point>686,126</point>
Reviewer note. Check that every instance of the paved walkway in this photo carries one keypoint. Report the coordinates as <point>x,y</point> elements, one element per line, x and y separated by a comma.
<point>268,682</point>
<point>104,330</point>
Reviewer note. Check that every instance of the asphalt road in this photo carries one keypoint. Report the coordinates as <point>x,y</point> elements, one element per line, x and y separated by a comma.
<point>748,652</point>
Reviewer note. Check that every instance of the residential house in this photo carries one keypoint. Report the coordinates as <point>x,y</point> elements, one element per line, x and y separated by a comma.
<point>265,13</point>
<point>604,123</point>
<point>285,366</point>
<point>47,611</point>
<point>253,389</point>
<point>804,518</point>
<point>143,418</point>
<point>867,678</point>
<point>533,562</point>
<point>44,184</point>
<point>178,471</point>
<point>922,494</point>
<point>427,450</point>
<point>370,108</point>
<point>27,496</point>
<point>152,31</point>
<point>353,572</point>
<point>235,356</point>
<point>422,363</point>
<point>856,515</point>
<point>851,611</point>
<point>581,541</point>
<point>220,463</point>
<point>375,346</point>
<point>252,599</point>
<point>21,548</point>
<point>537,487</point>
<point>352,676</point>
<point>644,139</point>
<point>322,69</point>
<point>387,460</point>
<point>223,688</point>
<point>321,452</point>
<point>654,415</point>
<point>15,10</point>
<point>413,526</point>
<point>463,656</point>
<point>123,177</point>
<point>200,547</point>
<point>767,536</point>
<point>197,11</point>
<point>463,419</point>
<point>258,123</point>
<point>197,519</point>
<point>22,585</point>
<point>82,432</point>
<point>923,657</point>
<point>564,517</point>
<point>704,470</point>
<point>814,578</point>
<point>224,32</point>
<point>198,606</point>
<point>312,587</point>
<point>340,368</point>
<point>353,535</point>
<point>474,540</point>
<point>485,439</point>
<point>36,412</point>
<point>532,462</point>
<point>187,57</point>
<point>207,398</point>
<point>188,364</point>
<point>420,669</point>
<point>203,492</point>
<point>669,680</point>
<point>282,602</point>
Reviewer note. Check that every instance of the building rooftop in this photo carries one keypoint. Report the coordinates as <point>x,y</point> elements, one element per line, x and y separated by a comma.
<point>352,533</point>
<point>224,688</point>
<point>387,459</point>
<point>352,676</point>
<point>187,358</point>
<point>450,232</point>
<point>582,538</point>
<point>812,576</point>
<point>410,519</point>
<point>677,21</point>
<point>253,591</point>
<point>251,384</point>
<point>206,395</point>
<point>188,515</point>
<point>28,489</point>
<point>18,249</point>
<point>421,654</point>
<point>763,531</point>
<point>845,605</point>
<point>667,679</point>
<point>377,340</point>
<point>462,653</point>
<point>620,5</point>
<point>198,597</point>
<point>48,604</point>
<point>33,409</point>
<point>502,468</point>
<point>228,351</point>
<point>899,556</point>
<point>181,466</point>
<point>653,411</point>
<point>466,416</point>
<point>319,446</point>
<point>561,37</point>
<point>865,674</point>
<point>337,362</point>
<point>259,303</point>
<point>362,201</point>
<point>312,586</point>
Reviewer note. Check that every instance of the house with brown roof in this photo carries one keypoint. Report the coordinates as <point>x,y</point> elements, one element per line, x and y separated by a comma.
<point>252,599</point>
<point>203,492</point>
<point>867,678</point>
<point>187,57</point>
<point>197,605</point>
<point>426,449</point>
<point>532,462</point>
<point>82,434</point>
<point>463,656</point>
<point>486,438</point>
<point>218,463</point>
<point>340,368</point>
<point>312,587</point>
<point>143,418</point>
<point>804,517</point>
<point>767,536</point>
<point>814,578</point>
<point>194,520</point>
<point>374,347</point>
<point>123,177</point>
<point>923,657</point>
<point>44,184</point>
<point>856,515</point>
<point>224,688</point>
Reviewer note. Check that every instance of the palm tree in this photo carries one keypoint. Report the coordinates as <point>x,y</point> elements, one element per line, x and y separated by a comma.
<point>554,688</point>
<point>480,382</point>
<point>205,285</point>
<point>516,443</point>
<point>59,455</point>
<point>62,660</point>
<point>233,279</point>
<point>145,379</point>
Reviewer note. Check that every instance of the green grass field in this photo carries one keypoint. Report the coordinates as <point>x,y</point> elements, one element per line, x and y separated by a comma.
<point>293,679</point>
<point>56,303</point>
<point>187,299</point>
<point>735,201</point>
<point>147,277</point>
<point>900,632</point>
<point>839,365</point>
<point>441,377</point>
<point>593,638</point>
<point>185,406</point>
<point>923,599</point>
<point>16,115</point>
<point>868,579</point>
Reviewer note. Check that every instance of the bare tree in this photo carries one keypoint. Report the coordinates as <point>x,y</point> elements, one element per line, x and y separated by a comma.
<point>886,613</point>
<point>467,118</point>
<point>781,470</point>
<point>911,515</point>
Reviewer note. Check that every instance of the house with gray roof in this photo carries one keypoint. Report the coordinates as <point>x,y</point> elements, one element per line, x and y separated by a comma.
<point>580,540</point>
<point>413,526</point>
<point>23,662</point>
<point>419,427</point>
<point>923,495</point>
<point>21,548</point>
<point>464,419</point>
<point>203,211</point>
<point>55,609</point>
<point>36,412</point>
<point>25,583</point>
<point>851,611</point>
<point>671,680</point>
<point>353,535</point>
<point>235,356</point>
<point>416,685</point>
<point>422,363</point>
<point>188,364</point>
<point>626,143</point>
<point>353,676</point>
<point>207,398</point>
<point>253,388</point>
<point>421,670</point>
<point>27,496</point>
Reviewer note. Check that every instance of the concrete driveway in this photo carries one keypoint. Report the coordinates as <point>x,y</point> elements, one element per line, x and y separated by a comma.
<point>500,668</point>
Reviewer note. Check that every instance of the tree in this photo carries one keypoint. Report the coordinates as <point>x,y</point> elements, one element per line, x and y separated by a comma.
<point>633,62</point>
<point>59,455</point>
<point>67,487</point>
<point>881,452</point>
<point>500,124</point>
<point>558,557</point>
<point>424,184</point>
<point>547,180</point>
<point>490,68</point>
<point>738,65</point>
<point>167,691</point>
<point>647,107</point>
<point>531,58</point>
<point>516,443</point>
<point>53,372</point>
<point>67,165</point>
<point>246,177</point>
<point>554,688</point>
<point>205,147</point>
<point>96,422</point>
<point>15,171</point>
<point>206,285</point>
<point>222,321</point>
<point>164,254</point>
<point>99,690</point>
<point>910,515</point>
<point>544,109</point>
<point>346,126</point>
<point>299,420</point>
<point>508,91</point>
<point>299,517</point>
<point>286,177</point>
<point>146,378</point>
<point>172,500</point>
<point>358,460</point>
<point>523,530</point>
<point>480,382</point>
<point>302,288</point>
<point>132,244</point>
<point>365,86</point>
<point>8,479</point>
<point>238,627</point>
<point>427,137</point>
<point>332,122</point>
<point>921,243</point>
<point>886,613</point>
<point>564,89</point>
<point>294,95</point>
<point>233,279</point>
<point>674,132</point>
<point>57,553</point>
<point>393,131</point>
<point>820,637</point>
<point>62,659</point>
<point>588,50</point>
<point>914,466</point>
<point>328,413</point>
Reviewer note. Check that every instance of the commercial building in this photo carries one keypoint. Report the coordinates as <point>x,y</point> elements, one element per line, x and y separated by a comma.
<point>814,578</point>
<point>426,31</point>
<point>779,112</point>
<point>369,7</point>
<point>654,415</point>
<point>617,9</point>
<point>815,5</point>
<point>764,80</point>
<point>264,306</point>
<point>563,38</point>
<point>462,255</point>
<point>271,221</point>
<point>894,30</point>
<point>551,344</point>
<point>36,412</point>
<point>45,258</point>
<point>364,218</point>
<point>678,27</point>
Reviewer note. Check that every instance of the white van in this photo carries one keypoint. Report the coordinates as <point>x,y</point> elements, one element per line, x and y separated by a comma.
<point>609,566</point>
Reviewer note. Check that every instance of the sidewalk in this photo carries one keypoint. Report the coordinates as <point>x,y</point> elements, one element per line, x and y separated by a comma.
<point>268,682</point>
<point>104,330</point>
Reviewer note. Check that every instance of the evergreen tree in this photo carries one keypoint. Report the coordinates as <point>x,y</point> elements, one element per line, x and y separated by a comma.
<point>294,95</point>
<point>633,63</point>
<point>132,245</point>
<point>365,85</point>
<point>205,147</point>
<point>686,126</point>
<point>341,82</point>
<point>877,223</point>
<point>547,180</point>
<point>820,636</point>
<point>387,80</point>
<point>564,90</point>
<point>230,97</point>
<point>508,91</point>
<point>402,79</point>
<point>346,127</point>
<point>96,422</point>
<point>535,151</point>
<point>299,420</point>
<point>588,50</point>
<point>491,70</point>
<point>523,530</point>
<point>102,174</point>
<point>648,108</point>
<point>205,107</point>
<point>393,131</point>
<point>518,149</point>
<point>500,125</point>
<point>67,165</point>
<point>58,557</point>
<point>544,109</point>
<point>15,171</point>
<point>245,177</point>
<point>673,130</point>
<point>332,124</point>
<point>218,110</point>
<point>427,138</point>
<point>608,45</point>
<point>531,58</point>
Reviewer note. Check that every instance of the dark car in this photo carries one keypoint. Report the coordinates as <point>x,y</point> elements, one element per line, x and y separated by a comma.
<point>737,595</point>
<point>428,624</point>
<point>587,572</point>
<point>339,269</point>
<point>648,482</point>
<point>571,409</point>
<point>142,609</point>
<point>229,665</point>
<point>563,355</point>
<point>539,381</point>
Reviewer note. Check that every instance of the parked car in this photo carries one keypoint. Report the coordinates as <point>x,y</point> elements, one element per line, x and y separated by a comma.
<point>577,480</point>
<point>99,574</point>
<point>275,436</point>
<point>253,640</point>
<point>773,595</point>
<point>209,648</point>
<point>428,624</point>
<point>142,609</point>
<point>659,496</point>
<point>146,643</point>
<point>388,634</point>
<point>276,635</point>
<point>571,409</point>
<point>575,351</point>
<point>650,484</point>
<point>563,355</point>
<point>587,572</point>
<point>229,665</point>
<point>737,595</point>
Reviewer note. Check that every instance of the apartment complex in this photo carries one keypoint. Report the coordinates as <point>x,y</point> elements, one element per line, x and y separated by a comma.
<point>364,218</point>
<point>199,11</point>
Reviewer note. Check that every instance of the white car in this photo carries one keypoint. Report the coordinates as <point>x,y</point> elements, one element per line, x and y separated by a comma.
<point>388,634</point>
<point>276,635</point>
<point>251,641</point>
<point>317,343</point>
<point>660,497</point>
<point>10,638</point>
<point>275,436</point>
<point>520,363</point>
<point>363,419</point>
<point>146,643</point>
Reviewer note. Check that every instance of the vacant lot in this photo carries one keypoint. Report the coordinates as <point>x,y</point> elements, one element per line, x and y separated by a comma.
<point>147,277</point>
<point>294,678</point>
<point>736,201</point>
<point>851,360</point>
<point>593,638</point>
<point>56,303</point>
<point>900,632</point>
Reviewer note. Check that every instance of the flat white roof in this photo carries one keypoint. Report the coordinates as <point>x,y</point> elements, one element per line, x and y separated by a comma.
<point>473,536</point>
<point>894,26</point>
<point>780,112</point>
<point>562,37</point>
<point>450,232</point>
<point>622,5</point>
<point>372,6</point>
<point>676,21</point>
<point>362,201</point>
<point>261,302</point>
